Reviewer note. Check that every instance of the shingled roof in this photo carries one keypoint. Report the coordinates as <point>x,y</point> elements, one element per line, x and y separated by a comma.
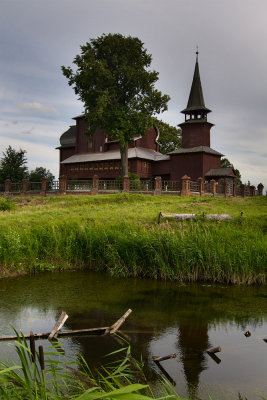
<point>196,99</point>
<point>221,172</point>
<point>198,149</point>
<point>135,152</point>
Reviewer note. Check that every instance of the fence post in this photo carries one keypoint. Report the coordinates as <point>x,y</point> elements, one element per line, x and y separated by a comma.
<point>62,184</point>
<point>201,185</point>
<point>126,184</point>
<point>234,190</point>
<point>260,189</point>
<point>43,187</point>
<point>185,186</point>
<point>158,184</point>
<point>252,191</point>
<point>226,189</point>
<point>95,186</point>
<point>213,186</point>
<point>25,186</point>
<point>243,190</point>
<point>7,186</point>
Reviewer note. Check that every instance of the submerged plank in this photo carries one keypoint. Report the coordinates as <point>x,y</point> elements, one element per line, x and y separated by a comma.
<point>91,331</point>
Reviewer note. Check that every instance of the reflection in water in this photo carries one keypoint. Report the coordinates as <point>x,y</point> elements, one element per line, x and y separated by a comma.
<point>167,318</point>
<point>193,343</point>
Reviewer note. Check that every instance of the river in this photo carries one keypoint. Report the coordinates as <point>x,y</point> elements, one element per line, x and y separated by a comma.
<point>167,317</point>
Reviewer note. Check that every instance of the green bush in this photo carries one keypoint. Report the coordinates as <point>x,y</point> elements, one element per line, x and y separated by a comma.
<point>6,205</point>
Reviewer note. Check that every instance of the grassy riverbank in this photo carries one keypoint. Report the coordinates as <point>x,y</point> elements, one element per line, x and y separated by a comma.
<point>119,234</point>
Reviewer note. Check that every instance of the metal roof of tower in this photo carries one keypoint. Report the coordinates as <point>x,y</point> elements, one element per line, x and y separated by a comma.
<point>196,99</point>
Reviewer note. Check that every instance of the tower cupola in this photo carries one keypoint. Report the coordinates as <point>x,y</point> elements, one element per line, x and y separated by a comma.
<point>196,128</point>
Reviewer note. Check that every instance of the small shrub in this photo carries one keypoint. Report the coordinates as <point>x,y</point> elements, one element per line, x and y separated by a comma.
<point>6,205</point>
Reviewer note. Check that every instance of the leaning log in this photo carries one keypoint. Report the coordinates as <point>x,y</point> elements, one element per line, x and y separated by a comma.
<point>159,359</point>
<point>163,370</point>
<point>60,322</point>
<point>117,325</point>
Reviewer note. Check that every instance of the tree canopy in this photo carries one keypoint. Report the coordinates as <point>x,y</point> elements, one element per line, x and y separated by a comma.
<point>39,173</point>
<point>113,81</point>
<point>13,165</point>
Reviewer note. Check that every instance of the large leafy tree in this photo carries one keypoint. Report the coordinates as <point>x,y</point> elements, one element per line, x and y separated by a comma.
<point>13,165</point>
<point>170,137</point>
<point>117,88</point>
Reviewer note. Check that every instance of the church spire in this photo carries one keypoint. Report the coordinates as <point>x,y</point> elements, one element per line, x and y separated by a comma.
<point>196,108</point>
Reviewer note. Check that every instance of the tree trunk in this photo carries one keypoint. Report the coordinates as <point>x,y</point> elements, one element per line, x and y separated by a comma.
<point>124,160</point>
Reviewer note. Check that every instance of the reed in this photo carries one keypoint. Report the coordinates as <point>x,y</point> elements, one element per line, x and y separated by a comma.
<point>120,235</point>
<point>46,376</point>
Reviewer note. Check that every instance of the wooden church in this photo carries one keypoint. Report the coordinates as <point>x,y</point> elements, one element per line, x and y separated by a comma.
<point>82,157</point>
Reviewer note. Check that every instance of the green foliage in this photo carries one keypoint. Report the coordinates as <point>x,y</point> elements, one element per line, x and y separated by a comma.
<point>6,204</point>
<point>118,91</point>
<point>170,137</point>
<point>13,165</point>
<point>39,173</point>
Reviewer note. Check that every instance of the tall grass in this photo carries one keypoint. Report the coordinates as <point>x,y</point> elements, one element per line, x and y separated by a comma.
<point>120,235</point>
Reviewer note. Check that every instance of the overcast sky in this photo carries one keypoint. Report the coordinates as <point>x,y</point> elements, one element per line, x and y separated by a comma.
<point>38,36</point>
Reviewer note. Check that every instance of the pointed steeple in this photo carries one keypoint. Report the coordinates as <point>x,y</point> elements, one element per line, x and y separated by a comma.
<point>196,105</point>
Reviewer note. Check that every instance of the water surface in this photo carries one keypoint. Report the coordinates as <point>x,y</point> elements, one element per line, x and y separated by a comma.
<point>167,318</point>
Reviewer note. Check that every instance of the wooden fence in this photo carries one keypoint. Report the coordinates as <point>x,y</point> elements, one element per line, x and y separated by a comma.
<point>184,187</point>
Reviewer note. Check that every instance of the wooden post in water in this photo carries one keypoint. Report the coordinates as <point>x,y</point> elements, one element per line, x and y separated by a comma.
<point>60,322</point>
<point>214,350</point>
<point>32,346</point>
<point>116,326</point>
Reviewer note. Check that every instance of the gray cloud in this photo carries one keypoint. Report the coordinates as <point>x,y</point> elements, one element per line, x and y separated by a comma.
<point>38,108</point>
<point>38,37</point>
